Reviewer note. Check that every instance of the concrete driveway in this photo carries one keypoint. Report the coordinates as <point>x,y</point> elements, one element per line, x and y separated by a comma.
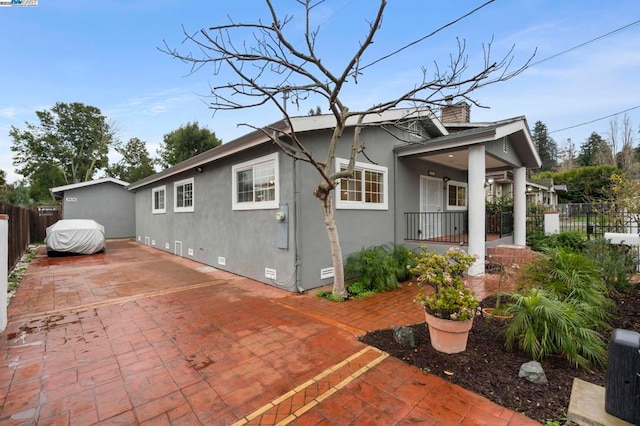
<point>138,336</point>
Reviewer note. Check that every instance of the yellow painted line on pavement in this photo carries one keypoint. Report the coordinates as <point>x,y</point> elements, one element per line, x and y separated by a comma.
<point>300,410</point>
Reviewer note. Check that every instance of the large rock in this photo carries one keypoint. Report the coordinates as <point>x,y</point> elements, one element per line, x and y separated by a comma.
<point>533,372</point>
<point>404,336</point>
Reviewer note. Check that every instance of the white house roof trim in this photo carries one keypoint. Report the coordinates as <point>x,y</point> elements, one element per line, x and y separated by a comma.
<point>513,127</point>
<point>300,124</point>
<point>61,189</point>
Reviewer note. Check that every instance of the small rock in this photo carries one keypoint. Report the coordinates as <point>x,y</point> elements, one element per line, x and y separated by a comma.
<point>404,336</point>
<point>533,372</point>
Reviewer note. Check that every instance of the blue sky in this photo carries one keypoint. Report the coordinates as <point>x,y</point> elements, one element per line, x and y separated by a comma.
<point>105,53</point>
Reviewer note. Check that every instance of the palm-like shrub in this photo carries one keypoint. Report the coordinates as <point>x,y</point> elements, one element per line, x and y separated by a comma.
<point>544,325</point>
<point>571,276</point>
<point>560,308</point>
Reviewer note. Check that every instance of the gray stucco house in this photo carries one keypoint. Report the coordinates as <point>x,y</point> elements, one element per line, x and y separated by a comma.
<point>247,208</point>
<point>105,200</point>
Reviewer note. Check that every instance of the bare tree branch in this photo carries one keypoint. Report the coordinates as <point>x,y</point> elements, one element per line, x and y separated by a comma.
<point>267,68</point>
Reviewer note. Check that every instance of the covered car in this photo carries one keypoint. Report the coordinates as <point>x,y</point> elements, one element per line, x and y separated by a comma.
<point>78,236</point>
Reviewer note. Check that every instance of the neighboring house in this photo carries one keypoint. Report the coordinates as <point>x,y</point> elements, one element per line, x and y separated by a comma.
<point>543,193</point>
<point>248,208</point>
<point>105,200</point>
<point>540,192</point>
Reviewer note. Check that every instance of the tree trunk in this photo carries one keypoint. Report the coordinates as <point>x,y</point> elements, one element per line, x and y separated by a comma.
<point>334,240</point>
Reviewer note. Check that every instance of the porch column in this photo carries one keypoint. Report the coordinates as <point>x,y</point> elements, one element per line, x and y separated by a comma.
<point>520,206</point>
<point>476,230</point>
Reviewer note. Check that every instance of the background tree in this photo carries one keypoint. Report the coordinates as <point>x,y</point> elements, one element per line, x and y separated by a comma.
<point>185,142</point>
<point>567,156</point>
<point>547,148</point>
<point>17,193</point>
<point>595,151</point>
<point>584,184</point>
<point>135,163</point>
<point>269,64</point>
<point>69,145</point>
<point>625,159</point>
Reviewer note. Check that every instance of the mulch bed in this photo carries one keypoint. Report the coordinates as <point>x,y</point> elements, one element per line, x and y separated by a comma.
<point>486,368</point>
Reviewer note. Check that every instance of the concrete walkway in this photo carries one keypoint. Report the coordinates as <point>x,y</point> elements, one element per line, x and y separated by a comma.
<point>138,336</point>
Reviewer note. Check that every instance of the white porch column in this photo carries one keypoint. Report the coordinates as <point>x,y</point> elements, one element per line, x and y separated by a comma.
<point>477,207</point>
<point>520,206</point>
<point>4,271</point>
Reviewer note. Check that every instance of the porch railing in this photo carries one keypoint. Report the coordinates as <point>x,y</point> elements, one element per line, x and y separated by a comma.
<point>446,227</point>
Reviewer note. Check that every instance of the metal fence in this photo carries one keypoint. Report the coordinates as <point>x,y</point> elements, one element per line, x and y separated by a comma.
<point>452,227</point>
<point>26,226</point>
<point>590,221</point>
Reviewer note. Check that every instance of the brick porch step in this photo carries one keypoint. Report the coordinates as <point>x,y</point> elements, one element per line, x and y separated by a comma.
<point>509,254</point>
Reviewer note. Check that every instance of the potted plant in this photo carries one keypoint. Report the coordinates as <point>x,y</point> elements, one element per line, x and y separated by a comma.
<point>449,306</point>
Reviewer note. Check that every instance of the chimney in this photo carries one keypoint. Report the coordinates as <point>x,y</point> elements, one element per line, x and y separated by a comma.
<point>455,113</point>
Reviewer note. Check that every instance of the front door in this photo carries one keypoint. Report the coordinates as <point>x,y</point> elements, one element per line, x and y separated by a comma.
<point>430,207</point>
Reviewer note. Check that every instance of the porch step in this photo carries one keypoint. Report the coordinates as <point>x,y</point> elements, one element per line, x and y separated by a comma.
<point>509,254</point>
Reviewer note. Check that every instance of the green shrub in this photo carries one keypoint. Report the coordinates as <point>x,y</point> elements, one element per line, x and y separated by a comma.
<point>615,261</point>
<point>404,261</point>
<point>327,294</point>
<point>571,276</point>
<point>561,306</point>
<point>445,295</point>
<point>536,240</point>
<point>544,325</point>
<point>573,240</point>
<point>374,267</point>
<point>356,290</point>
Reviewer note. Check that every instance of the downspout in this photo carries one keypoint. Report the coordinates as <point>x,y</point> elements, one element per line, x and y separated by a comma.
<point>395,197</point>
<point>296,240</point>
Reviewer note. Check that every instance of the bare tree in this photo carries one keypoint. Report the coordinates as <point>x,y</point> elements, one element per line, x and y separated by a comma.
<point>614,130</point>
<point>270,68</point>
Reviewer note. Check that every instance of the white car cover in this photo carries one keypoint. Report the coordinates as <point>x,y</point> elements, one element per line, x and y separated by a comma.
<point>80,236</point>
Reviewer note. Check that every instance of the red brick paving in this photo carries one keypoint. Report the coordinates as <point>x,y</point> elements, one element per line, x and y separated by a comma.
<point>136,335</point>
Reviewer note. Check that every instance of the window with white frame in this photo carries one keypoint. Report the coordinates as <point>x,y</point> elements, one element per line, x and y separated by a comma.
<point>183,196</point>
<point>367,189</point>
<point>255,184</point>
<point>456,196</point>
<point>158,199</point>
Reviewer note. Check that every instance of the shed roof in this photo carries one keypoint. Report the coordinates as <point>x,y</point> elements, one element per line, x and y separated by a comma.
<point>58,190</point>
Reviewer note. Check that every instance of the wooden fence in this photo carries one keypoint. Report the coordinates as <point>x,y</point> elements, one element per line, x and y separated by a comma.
<point>26,226</point>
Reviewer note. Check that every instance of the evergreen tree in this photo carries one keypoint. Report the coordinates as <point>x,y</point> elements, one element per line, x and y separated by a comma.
<point>595,151</point>
<point>547,148</point>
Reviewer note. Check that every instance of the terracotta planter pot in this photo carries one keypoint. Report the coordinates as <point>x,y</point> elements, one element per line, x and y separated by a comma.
<point>448,336</point>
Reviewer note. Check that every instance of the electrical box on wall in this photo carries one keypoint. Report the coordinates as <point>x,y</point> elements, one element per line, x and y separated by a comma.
<point>190,252</point>
<point>282,227</point>
<point>153,242</point>
<point>222,261</point>
<point>167,246</point>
